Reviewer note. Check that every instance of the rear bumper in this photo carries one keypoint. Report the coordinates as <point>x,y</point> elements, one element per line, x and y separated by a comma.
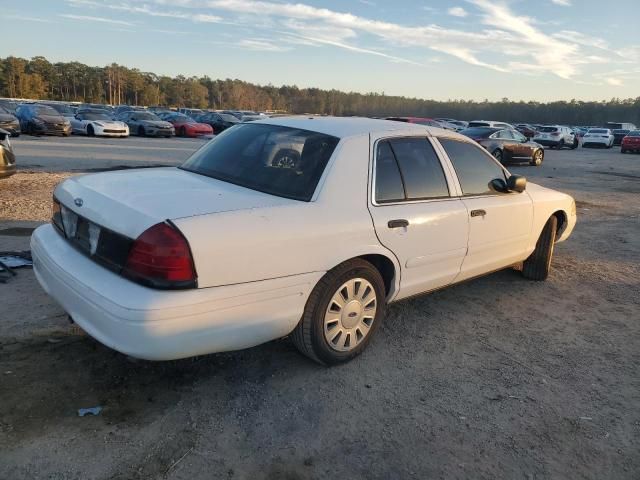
<point>595,142</point>
<point>165,325</point>
<point>547,142</point>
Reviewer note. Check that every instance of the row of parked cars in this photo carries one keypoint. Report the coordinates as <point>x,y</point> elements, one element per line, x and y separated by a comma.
<point>56,118</point>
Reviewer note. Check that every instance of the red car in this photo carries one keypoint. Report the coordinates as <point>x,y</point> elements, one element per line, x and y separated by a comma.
<point>631,142</point>
<point>186,126</point>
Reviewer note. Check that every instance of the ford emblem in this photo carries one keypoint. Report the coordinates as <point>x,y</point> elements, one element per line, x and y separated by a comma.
<point>78,202</point>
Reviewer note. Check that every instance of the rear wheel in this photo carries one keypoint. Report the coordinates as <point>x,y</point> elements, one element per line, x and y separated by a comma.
<point>537,266</point>
<point>622,150</point>
<point>561,145</point>
<point>141,131</point>
<point>537,158</point>
<point>575,144</point>
<point>342,313</point>
<point>182,132</point>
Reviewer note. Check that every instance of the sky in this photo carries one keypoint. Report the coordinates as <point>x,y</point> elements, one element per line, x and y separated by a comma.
<point>540,50</point>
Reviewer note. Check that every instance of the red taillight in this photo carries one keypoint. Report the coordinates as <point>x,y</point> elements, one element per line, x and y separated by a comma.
<point>160,257</point>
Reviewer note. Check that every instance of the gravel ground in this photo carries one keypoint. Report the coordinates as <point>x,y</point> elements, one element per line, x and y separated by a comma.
<point>498,377</point>
<point>27,195</point>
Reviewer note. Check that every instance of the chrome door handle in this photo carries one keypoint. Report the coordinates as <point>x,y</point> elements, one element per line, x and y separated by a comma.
<point>478,213</point>
<point>400,223</point>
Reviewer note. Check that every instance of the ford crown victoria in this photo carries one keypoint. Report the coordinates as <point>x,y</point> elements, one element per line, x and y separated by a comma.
<point>298,226</point>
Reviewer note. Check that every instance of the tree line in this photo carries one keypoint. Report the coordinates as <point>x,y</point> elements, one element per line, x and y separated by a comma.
<point>115,84</point>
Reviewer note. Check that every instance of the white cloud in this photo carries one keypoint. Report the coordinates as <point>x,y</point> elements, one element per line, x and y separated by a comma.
<point>87,18</point>
<point>564,3</point>
<point>457,12</point>
<point>28,19</point>
<point>261,45</point>
<point>616,82</point>
<point>502,40</point>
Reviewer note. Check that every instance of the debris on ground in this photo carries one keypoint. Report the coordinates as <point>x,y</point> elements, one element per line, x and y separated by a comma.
<point>89,411</point>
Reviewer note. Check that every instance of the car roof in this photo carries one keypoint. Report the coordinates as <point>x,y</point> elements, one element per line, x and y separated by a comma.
<point>344,127</point>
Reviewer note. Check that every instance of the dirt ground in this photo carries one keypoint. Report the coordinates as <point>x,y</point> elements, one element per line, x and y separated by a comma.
<point>498,377</point>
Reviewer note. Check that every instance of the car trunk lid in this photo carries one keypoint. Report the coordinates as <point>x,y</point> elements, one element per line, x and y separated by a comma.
<point>130,201</point>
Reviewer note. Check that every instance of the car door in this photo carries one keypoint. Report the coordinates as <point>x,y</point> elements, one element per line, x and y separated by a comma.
<point>521,145</point>
<point>416,213</point>
<point>505,137</point>
<point>499,223</point>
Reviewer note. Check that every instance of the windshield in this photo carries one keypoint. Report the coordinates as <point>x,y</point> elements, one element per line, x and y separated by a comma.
<point>45,110</point>
<point>478,124</point>
<point>180,118</point>
<point>63,109</point>
<point>94,116</point>
<point>145,116</point>
<point>282,161</point>
<point>635,133</point>
<point>228,118</point>
<point>548,129</point>
<point>478,132</point>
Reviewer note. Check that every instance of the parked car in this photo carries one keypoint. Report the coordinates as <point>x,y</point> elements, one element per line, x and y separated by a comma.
<point>458,124</point>
<point>191,112</point>
<point>38,119</point>
<point>7,157</point>
<point>527,130</point>
<point>489,123</point>
<point>228,251</point>
<point>618,135</point>
<point>143,123</point>
<point>186,126</point>
<point>98,123</point>
<point>121,110</point>
<point>9,105</point>
<point>219,122</point>
<point>430,122</point>
<point>506,144</point>
<point>598,137</point>
<point>63,109</point>
<point>240,114</point>
<point>9,122</point>
<point>631,143</point>
<point>556,136</point>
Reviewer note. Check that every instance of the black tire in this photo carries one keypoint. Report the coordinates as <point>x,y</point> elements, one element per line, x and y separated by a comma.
<point>622,150</point>
<point>182,132</point>
<point>561,144</point>
<point>498,155</point>
<point>308,336</point>
<point>141,131</point>
<point>537,266</point>
<point>575,144</point>
<point>537,158</point>
<point>90,131</point>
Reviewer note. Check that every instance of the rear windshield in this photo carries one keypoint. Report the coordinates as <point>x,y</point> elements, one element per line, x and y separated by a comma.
<point>618,130</point>
<point>598,130</point>
<point>282,161</point>
<point>635,133</point>
<point>548,129</point>
<point>478,124</point>
<point>45,110</point>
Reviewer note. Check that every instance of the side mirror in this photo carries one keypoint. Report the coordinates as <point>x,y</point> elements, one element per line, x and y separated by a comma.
<point>516,183</point>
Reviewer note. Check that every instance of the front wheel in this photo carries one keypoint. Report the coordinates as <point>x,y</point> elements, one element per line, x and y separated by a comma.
<point>498,155</point>
<point>342,313</point>
<point>537,158</point>
<point>141,131</point>
<point>538,265</point>
<point>90,131</point>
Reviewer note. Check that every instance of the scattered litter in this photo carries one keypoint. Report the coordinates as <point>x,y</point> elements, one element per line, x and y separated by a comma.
<point>8,372</point>
<point>89,411</point>
<point>586,418</point>
<point>15,261</point>
<point>54,340</point>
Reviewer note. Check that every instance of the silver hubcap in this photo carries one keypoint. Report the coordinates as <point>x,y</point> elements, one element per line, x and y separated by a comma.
<point>538,157</point>
<point>350,314</point>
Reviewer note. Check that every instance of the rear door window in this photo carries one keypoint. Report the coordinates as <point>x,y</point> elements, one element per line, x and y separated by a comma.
<point>408,169</point>
<point>421,169</point>
<point>474,167</point>
<point>389,186</point>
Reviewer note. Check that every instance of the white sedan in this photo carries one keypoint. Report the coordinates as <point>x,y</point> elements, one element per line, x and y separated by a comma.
<point>98,123</point>
<point>598,137</point>
<point>295,226</point>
